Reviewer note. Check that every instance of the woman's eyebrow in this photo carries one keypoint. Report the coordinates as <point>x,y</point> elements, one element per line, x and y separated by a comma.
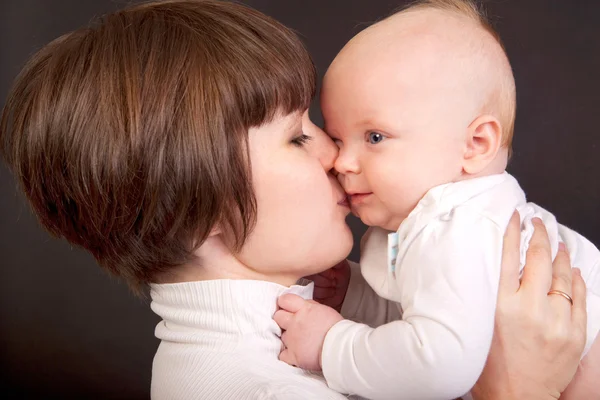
<point>294,125</point>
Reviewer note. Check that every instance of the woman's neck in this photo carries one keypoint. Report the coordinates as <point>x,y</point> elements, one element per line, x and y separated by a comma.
<point>214,260</point>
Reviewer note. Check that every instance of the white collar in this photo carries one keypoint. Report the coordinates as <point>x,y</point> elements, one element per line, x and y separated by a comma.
<point>441,200</point>
<point>456,193</point>
<point>223,314</point>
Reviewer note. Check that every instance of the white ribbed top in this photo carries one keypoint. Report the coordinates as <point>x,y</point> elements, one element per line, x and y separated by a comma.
<point>219,342</point>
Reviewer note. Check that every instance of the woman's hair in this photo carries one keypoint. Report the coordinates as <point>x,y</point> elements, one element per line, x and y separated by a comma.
<point>129,137</point>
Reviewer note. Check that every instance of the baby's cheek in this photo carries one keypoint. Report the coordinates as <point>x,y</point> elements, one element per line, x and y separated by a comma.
<point>392,188</point>
<point>400,201</point>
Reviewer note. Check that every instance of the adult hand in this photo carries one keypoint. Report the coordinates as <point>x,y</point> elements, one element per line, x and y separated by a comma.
<point>538,338</point>
<point>331,285</point>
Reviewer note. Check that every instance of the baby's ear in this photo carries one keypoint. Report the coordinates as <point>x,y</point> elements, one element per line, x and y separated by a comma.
<point>483,141</point>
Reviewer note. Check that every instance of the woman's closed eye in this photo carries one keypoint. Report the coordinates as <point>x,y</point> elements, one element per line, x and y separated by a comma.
<point>301,140</point>
<point>375,137</point>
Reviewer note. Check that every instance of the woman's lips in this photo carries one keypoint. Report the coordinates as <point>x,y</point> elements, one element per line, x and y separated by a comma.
<point>344,202</point>
<point>358,198</point>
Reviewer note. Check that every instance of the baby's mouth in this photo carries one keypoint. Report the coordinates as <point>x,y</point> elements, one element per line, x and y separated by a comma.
<point>358,198</point>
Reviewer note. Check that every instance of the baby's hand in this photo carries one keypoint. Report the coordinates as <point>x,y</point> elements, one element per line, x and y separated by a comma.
<point>305,324</point>
<point>331,285</point>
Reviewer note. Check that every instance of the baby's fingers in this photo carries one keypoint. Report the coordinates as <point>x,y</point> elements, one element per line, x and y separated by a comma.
<point>290,302</point>
<point>283,319</point>
<point>287,357</point>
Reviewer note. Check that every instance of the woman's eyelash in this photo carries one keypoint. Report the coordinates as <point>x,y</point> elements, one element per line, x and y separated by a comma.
<point>301,140</point>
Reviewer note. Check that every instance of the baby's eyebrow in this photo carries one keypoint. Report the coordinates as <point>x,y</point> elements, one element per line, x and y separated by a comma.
<point>366,122</point>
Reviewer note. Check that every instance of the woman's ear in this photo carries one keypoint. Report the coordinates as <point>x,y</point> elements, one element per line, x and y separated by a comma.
<point>215,231</point>
<point>483,141</point>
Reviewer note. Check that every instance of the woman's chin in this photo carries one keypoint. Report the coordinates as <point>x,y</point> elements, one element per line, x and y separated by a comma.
<point>346,242</point>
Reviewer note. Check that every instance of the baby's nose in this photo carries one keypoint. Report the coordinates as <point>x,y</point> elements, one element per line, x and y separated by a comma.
<point>346,162</point>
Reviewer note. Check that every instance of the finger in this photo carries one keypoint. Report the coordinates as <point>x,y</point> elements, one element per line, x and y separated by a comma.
<point>321,281</point>
<point>290,302</point>
<point>537,274</point>
<point>323,293</point>
<point>283,318</point>
<point>341,265</point>
<point>287,357</point>
<point>509,271</point>
<point>578,312</point>
<point>341,271</point>
<point>328,274</point>
<point>561,281</point>
<point>561,271</point>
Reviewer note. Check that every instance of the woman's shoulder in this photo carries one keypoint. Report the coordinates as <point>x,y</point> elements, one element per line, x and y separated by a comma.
<point>184,372</point>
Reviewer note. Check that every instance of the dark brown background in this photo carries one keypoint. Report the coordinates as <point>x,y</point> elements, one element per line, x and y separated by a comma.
<point>69,331</point>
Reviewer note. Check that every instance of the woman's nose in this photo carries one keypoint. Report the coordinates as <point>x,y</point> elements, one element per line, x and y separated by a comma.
<point>321,147</point>
<point>328,153</point>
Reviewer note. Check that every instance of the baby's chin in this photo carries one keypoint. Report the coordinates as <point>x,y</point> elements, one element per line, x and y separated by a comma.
<point>379,219</point>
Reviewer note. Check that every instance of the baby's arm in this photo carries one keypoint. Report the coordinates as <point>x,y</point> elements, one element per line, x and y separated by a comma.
<point>449,281</point>
<point>362,303</point>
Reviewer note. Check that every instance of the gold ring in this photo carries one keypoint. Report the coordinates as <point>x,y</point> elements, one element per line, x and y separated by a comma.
<point>561,293</point>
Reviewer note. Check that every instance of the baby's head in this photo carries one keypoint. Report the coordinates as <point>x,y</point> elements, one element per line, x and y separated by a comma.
<point>422,98</point>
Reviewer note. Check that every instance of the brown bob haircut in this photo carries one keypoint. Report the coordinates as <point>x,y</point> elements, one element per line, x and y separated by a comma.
<point>129,137</point>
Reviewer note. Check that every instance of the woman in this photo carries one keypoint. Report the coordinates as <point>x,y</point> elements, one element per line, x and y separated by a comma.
<point>171,140</point>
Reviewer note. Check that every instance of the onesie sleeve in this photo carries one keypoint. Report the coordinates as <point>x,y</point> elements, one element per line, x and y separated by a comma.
<point>448,279</point>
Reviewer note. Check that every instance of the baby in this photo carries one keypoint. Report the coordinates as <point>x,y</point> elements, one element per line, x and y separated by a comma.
<point>422,106</point>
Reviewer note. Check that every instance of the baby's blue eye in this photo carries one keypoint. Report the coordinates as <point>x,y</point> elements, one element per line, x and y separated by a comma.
<point>375,137</point>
